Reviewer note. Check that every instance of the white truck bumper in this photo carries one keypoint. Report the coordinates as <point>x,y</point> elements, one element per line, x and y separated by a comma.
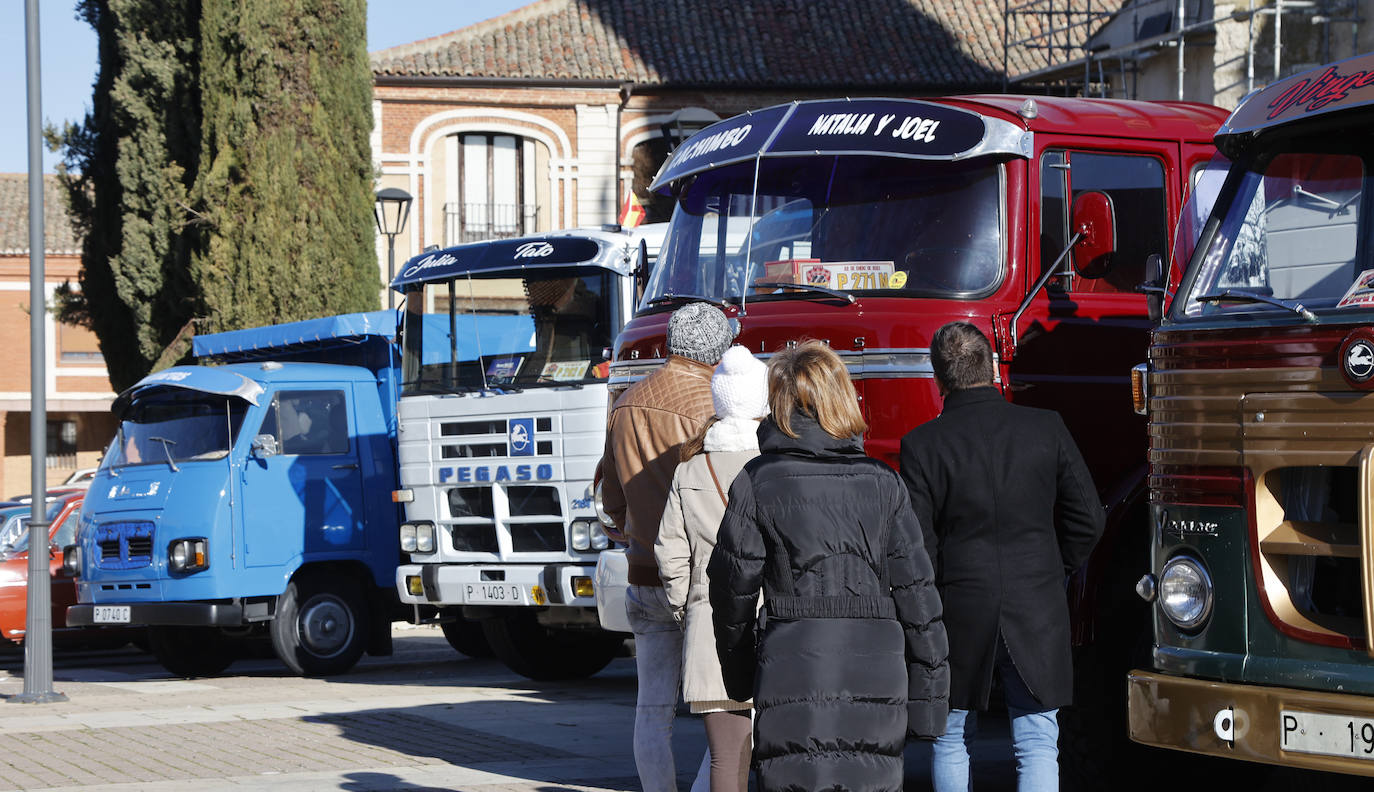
<point>493,584</point>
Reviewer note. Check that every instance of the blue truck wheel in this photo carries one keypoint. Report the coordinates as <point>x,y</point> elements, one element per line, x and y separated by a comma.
<point>320,627</point>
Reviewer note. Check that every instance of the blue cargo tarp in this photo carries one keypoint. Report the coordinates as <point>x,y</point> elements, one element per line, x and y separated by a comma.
<point>343,327</point>
<point>499,336</point>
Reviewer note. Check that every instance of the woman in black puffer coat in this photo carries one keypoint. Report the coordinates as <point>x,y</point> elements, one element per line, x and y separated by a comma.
<point>851,658</point>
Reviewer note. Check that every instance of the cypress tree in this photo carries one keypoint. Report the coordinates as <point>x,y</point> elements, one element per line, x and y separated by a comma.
<point>285,183</point>
<point>128,168</point>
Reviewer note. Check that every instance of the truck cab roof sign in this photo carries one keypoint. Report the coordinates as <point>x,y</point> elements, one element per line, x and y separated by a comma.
<point>1338,86</point>
<point>206,379</point>
<point>902,128</point>
<point>534,252</point>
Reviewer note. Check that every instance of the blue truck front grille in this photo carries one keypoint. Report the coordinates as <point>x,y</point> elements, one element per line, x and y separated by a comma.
<point>124,545</point>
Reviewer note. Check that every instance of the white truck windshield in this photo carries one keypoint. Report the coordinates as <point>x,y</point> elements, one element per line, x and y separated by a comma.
<point>506,331</point>
<point>853,224</point>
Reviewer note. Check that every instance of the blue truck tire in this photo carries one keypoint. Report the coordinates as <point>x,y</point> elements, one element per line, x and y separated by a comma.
<point>320,627</point>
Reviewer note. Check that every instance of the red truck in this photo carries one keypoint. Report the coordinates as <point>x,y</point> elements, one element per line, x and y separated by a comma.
<point>869,223</point>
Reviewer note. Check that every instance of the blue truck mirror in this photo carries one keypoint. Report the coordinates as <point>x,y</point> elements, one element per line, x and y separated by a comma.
<point>264,446</point>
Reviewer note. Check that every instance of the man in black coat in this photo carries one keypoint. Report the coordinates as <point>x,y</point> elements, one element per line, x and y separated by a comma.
<point>1007,509</point>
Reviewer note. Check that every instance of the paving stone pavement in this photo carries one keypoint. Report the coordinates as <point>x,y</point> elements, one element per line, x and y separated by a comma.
<point>425,719</point>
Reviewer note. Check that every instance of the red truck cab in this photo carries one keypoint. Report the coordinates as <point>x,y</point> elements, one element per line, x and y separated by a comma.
<point>869,223</point>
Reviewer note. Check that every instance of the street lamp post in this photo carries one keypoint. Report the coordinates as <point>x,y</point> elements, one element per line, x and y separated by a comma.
<point>392,209</point>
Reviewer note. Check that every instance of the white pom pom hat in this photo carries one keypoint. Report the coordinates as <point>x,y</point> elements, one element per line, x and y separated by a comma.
<point>739,388</point>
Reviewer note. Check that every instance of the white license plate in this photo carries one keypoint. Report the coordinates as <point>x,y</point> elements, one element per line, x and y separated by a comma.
<point>496,593</point>
<point>111,614</point>
<point>1332,735</point>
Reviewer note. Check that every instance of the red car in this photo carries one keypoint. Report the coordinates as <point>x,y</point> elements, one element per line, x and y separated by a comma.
<point>64,512</point>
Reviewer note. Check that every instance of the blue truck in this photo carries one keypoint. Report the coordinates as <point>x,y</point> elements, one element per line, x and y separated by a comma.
<point>253,500</point>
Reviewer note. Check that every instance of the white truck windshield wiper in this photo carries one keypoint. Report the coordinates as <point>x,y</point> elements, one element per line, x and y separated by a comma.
<point>839,295</point>
<point>167,449</point>
<point>1243,295</point>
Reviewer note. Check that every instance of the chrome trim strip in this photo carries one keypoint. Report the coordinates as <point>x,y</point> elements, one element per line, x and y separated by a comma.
<point>901,363</point>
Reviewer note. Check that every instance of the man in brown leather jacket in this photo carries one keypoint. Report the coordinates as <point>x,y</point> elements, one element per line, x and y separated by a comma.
<point>648,425</point>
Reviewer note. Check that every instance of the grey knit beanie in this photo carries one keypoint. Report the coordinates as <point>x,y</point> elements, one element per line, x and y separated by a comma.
<point>699,331</point>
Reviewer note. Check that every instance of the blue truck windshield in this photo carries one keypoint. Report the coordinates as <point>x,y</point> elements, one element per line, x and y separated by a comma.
<point>505,331</point>
<point>873,225</point>
<point>171,426</point>
<point>1288,241</point>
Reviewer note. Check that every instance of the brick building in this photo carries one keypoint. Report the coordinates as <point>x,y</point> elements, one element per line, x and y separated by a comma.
<point>78,388</point>
<point>548,116</point>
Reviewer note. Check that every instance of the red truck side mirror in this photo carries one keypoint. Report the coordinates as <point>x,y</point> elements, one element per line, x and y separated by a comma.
<point>1094,217</point>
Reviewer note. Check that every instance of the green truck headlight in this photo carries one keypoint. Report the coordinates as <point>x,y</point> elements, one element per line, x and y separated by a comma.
<point>1185,592</point>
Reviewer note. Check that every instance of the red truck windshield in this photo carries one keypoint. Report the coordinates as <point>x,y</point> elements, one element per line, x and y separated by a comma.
<point>857,224</point>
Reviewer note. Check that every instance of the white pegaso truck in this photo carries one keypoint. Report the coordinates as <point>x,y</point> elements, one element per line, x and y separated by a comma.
<point>506,349</point>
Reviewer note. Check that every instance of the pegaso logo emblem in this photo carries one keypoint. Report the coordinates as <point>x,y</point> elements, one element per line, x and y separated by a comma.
<point>534,250</point>
<point>1357,359</point>
<point>519,437</point>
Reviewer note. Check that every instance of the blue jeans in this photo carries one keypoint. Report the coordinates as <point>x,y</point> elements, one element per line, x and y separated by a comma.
<point>658,662</point>
<point>1034,739</point>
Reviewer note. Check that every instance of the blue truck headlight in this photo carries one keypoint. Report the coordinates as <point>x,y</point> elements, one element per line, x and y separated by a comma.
<point>417,538</point>
<point>71,559</point>
<point>1185,592</point>
<point>188,555</point>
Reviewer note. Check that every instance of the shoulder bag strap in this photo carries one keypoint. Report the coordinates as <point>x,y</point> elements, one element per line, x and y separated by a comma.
<point>719,491</point>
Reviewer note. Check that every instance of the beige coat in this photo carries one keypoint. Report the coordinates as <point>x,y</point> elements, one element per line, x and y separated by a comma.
<point>644,436</point>
<point>686,537</point>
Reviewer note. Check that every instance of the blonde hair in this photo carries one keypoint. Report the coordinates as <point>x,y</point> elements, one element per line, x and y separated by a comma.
<point>810,378</point>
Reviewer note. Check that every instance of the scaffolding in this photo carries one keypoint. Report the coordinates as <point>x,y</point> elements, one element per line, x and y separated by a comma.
<point>1067,47</point>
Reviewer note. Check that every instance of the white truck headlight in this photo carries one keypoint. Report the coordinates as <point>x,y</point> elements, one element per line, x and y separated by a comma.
<point>417,537</point>
<point>599,539</point>
<point>581,535</point>
<point>1185,592</point>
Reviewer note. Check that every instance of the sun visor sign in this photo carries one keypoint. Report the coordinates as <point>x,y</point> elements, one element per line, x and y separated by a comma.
<point>900,128</point>
<point>732,140</point>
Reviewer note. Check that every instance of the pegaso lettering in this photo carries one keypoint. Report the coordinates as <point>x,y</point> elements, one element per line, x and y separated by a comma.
<point>716,142</point>
<point>1182,528</point>
<point>1329,86</point>
<point>429,262</point>
<point>483,474</point>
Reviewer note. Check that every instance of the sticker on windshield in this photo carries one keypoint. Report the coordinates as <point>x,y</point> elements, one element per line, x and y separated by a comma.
<point>1360,293</point>
<point>564,372</point>
<point>897,280</point>
<point>845,275</point>
<point>504,368</point>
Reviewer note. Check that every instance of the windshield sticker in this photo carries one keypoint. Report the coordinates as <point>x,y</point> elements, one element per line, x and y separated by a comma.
<point>1361,292</point>
<point>504,368</point>
<point>845,275</point>
<point>564,372</point>
<point>897,281</point>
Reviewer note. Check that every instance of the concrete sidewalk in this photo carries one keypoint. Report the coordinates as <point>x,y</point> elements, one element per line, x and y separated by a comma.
<point>427,718</point>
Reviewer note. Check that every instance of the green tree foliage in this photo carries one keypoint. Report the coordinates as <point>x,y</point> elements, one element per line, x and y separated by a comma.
<point>286,177</point>
<point>223,178</point>
<point>129,169</point>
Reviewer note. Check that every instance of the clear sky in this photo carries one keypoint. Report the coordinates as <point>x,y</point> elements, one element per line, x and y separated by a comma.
<point>68,52</point>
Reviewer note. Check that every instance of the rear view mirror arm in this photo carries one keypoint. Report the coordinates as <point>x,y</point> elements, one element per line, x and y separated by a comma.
<point>1049,272</point>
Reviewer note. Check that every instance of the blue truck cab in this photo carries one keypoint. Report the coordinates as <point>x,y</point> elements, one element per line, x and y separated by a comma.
<point>252,500</point>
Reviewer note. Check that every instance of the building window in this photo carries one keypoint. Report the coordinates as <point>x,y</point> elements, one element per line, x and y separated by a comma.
<point>492,190</point>
<point>62,444</point>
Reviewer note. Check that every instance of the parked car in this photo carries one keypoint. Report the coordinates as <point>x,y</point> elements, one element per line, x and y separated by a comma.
<point>81,478</point>
<point>63,514</point>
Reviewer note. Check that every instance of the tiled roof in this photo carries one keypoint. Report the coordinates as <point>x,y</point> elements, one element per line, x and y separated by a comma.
<point>744,43</point>
<point>60,233</point>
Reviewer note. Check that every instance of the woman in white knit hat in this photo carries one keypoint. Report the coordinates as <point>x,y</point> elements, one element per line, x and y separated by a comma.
<point>686,537</point>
